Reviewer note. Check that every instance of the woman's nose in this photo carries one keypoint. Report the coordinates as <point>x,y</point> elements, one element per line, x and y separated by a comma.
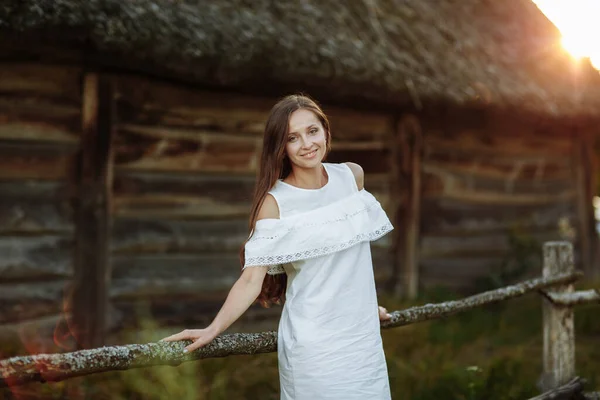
<point>306,143</point>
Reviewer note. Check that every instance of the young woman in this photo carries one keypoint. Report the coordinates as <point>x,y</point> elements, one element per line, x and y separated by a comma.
<point>310,227</point>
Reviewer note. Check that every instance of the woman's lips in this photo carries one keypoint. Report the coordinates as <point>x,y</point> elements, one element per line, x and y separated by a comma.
<point>310,155</point>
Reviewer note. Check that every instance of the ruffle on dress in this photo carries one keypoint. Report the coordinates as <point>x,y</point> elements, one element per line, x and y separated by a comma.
<point>355,219</point>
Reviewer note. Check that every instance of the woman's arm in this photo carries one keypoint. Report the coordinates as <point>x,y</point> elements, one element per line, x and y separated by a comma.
<point>241,296</point>
<point>243,293</point>
<point>359,175</point>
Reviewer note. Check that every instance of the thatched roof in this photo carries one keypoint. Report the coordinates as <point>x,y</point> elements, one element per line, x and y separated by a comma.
<point>395,52</point>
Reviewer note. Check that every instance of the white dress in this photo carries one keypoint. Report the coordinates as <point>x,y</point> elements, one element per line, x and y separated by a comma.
<point>329,339</point>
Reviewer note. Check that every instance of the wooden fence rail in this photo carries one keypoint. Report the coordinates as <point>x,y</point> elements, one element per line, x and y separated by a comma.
<point>559,346</point>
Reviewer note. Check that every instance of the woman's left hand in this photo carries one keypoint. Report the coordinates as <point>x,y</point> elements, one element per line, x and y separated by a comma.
<point>383,314</point>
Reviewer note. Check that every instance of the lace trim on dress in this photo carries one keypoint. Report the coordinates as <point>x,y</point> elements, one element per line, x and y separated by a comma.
<point>326,230</point>
<point>276,262</point>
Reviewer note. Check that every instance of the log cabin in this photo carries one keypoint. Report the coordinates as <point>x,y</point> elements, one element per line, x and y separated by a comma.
<point>130,133</point>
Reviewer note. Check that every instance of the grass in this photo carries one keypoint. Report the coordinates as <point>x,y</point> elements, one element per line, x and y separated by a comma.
<point>491,353</point>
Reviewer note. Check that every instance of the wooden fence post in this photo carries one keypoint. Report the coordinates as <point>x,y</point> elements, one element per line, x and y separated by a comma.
<point>559,332</point>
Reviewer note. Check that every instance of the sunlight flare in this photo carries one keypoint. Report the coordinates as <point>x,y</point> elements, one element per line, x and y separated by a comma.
<point>577,21</point>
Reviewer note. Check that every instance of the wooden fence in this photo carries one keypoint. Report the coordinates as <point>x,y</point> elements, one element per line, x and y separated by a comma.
<point>559,379</point>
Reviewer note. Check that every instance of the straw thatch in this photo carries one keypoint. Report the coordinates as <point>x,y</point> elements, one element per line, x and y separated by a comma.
<point>395,52</point>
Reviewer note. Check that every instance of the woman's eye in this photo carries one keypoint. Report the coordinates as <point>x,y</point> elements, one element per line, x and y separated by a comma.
<point>313,131</point>
<point>291,138</point>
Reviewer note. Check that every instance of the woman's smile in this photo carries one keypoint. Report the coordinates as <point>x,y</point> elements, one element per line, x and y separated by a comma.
<point>312,154</point>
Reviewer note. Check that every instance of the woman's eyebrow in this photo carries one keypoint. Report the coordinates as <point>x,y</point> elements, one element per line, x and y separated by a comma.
<point>307,128</point>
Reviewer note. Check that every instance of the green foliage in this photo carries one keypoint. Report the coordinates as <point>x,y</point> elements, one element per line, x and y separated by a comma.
<point>488,353</point>
<point>523,256</point>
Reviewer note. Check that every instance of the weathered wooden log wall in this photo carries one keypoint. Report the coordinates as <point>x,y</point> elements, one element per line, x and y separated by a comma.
<point>185,165</point>
<point>183,169</point>
<point>183,174</point>
<point>484,175</point>
<point>40,124</point>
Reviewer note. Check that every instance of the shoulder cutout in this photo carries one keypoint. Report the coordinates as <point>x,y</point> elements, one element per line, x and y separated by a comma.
<point>359,174</point>
<point>269,208</point>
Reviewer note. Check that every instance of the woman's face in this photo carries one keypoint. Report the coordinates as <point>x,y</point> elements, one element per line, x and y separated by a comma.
<point>306,141</point>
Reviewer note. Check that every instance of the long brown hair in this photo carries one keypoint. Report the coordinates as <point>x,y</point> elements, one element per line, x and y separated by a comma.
<point>275,165</point>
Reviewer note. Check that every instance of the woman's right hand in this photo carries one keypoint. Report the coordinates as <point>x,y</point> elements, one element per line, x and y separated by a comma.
<point>200,338</point>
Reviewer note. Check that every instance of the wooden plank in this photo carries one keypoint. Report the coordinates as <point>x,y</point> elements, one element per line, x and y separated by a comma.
<point>524,147</point>
<point>33,190</point>
<point>202,136</point>
<point>477,245</point>
<point>487,197</point>
<point>453,217</point>
<point>92,273</point>
<point>156,103</point>
<point>372,161</point>
<point>225,153</point>
<point>367,145</point>
<point>361,126</point>
<point>536,131</point>
<point>34,216</point>
<point>514,176</point>
<point>138,236</point>
<point>25,160</point>
<point>35,108</point>
<point>176,207</point>
<point>459,208</point>
<point>206,276</point>
<point>477,191</point>
<point>244,121</point>
<point>152,103</point>
<point>143,289</point>
<point>35,257</point>
<point>164,195</point>
<point>19,125</point>
<point>456,272</point>
<point>176,195</point>
<point>176,266</point>
<point>223,187</point>
<point>436,185</point>
<point>22,301</point>
<point>181,275</point>
<point>58,82</point>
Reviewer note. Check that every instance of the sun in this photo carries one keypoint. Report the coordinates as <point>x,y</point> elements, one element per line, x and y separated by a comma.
<point>577,21</point>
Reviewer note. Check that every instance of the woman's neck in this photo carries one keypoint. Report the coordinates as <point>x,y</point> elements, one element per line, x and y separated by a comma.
<point>309,178</point>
